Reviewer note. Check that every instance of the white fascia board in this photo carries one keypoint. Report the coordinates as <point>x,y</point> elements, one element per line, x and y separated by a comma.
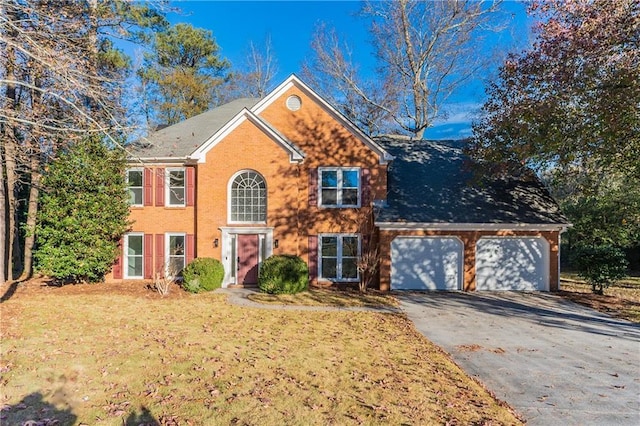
<point>293,80</point>
<point>408,226</point>
<point>199,154</point>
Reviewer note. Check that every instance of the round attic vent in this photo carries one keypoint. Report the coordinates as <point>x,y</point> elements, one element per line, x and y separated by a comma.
<point>294,103</point>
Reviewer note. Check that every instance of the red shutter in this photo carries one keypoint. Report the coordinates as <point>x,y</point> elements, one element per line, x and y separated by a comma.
<point>117,265</point>
<point>313,257</point>
<point>148,187</point>
<point>160,254</point>
<point>191,248</point>
<point>191,185</point>
<point>160,186</point>
<point>148,256</point>
<point>313,187</point>
<point>365,189</point>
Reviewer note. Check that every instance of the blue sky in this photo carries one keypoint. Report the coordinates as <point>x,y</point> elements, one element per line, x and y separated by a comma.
<point>290,25</point>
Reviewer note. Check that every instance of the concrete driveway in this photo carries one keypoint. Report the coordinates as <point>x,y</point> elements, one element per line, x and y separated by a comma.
<point>554,361</point>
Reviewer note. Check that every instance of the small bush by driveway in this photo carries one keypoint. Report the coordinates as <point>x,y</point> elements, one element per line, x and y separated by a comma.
<point>553,360</point>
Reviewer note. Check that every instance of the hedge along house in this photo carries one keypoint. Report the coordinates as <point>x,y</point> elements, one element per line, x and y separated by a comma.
<point>289,174</point>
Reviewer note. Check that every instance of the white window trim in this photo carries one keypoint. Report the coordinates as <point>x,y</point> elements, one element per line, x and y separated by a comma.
<point>126,256</point>
<point>167,249</point>
<point>167,186</point>
<point>338,257</point>
<point>141,170</point>
<point>339,204</point>
<point>229,199</point>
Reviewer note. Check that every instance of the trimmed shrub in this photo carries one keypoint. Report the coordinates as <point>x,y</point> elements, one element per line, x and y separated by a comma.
<point>600,265</point>
<point>283,274</point>
<point>202,274</point>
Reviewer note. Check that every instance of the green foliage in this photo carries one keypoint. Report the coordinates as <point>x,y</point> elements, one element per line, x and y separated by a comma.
<point>202,274</point>
<point>568,103</point>
<point>283,274</point>
<point>600,265</point>
<point>83,212</point>
<point>610,215</point>
<point>181,74</point>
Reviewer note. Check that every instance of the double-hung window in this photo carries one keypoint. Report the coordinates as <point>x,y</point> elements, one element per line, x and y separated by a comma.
<point>339,255</point>
<point>135,187</point>
<point>175,193</point>
<point>134,250</point>
<point>176,254</point>
<point>339,186</point>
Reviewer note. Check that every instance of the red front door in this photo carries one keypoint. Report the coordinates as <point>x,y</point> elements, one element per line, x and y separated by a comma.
<point>248,246</point>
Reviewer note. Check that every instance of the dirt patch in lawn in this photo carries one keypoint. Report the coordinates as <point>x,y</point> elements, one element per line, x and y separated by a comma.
<point>81,355</point>
<point>621,300</point>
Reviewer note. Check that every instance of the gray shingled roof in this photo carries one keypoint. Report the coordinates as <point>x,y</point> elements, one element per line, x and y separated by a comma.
<point>181,139</point>
<point>430,182</point>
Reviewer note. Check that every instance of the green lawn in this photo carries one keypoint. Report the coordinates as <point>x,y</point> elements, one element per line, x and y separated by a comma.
<point>113,359</point>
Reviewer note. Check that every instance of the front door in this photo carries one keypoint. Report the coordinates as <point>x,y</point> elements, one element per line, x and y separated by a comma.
<point>248,246</point>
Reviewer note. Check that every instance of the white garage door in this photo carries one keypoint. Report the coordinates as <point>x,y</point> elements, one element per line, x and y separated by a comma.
<point>426,263</point>
<point>512,264</point>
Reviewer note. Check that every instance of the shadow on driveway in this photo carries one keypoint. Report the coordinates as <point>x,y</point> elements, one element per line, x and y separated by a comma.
<point>539,308</point>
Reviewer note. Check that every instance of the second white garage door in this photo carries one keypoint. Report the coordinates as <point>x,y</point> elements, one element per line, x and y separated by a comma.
<point>426,263</point>
<point>520,263</point>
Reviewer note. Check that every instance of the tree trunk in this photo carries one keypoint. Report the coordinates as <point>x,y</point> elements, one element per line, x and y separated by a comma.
<point>9,158</point>
<point>34,196</point>
<point>11,228</point>
<point>3,228</point>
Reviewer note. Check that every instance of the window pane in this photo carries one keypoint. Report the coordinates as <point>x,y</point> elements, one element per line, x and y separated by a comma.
<point>329,197</point>
<point>135,196</point>
<point>176,178</point>
<point>248,198</point>
<point>329,179</point>
<point>134,266</point>
<point>176,245</point>
<point>349,267</point>
<point>134,246</point>
<point>234,266</point>
<point>135,178</point>
<point>176,196</point>
<point>349,178</point>
<point>350,246</point>
<point>176,265</point>
<point>329,246</point>
<point>328,268</point>
<point>349,197</point>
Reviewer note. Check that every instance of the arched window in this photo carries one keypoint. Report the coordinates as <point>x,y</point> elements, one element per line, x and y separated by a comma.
<point>248,197</point>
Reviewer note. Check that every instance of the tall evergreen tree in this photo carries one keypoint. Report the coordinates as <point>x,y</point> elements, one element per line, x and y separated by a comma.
<point>181,75</point>
<point>83,212</point>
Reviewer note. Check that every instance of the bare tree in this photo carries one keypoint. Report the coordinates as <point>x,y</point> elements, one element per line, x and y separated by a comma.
<point>255,78</point>
<point>62,79</point>
<point>424,50</point>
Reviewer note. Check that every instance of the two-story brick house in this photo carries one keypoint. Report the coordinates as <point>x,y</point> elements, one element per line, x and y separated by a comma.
<point>289,174</point>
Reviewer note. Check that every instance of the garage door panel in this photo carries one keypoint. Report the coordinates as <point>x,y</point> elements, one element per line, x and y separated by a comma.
<point>426,263</point>
<point>512,264</point>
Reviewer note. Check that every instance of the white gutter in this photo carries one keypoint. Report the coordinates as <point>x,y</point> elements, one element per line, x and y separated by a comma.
<point>441,226</point>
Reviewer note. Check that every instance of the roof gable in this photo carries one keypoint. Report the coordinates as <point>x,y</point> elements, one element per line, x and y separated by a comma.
<point>295,154</point>
<point>294,81</point>
<point>179,140</point>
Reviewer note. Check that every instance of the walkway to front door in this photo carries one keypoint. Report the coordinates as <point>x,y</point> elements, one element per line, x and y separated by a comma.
<point>248,246</point>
